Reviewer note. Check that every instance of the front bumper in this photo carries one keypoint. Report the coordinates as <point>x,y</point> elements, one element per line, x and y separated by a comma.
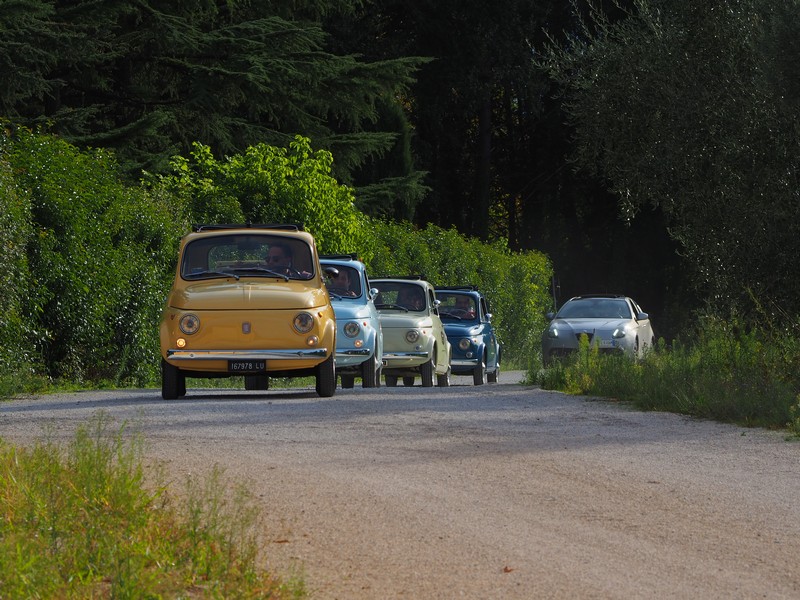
<point>314,354</point>
<point>405,359</point>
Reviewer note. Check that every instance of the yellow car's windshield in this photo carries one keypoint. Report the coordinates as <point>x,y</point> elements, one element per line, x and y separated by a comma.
<point>247,255</point>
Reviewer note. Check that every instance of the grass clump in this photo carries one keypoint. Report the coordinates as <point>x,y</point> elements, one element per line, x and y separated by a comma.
<point>728,373</point>
<point>81,522</point>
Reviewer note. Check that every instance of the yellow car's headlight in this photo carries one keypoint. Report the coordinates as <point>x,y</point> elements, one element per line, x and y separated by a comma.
<point>189,324</point>
<point>303,322</point>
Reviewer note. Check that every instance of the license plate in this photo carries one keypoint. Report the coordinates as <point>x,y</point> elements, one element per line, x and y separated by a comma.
<point>246,366</point>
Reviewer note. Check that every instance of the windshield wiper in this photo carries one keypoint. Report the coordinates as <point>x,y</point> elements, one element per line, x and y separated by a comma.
<point>392,306</point>
<point>213,275</point>
<point>262,270</point>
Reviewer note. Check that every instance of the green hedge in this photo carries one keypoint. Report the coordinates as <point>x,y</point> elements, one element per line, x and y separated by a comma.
<point>96,264</point>
<point>516,284</point>
<point>88,259</point>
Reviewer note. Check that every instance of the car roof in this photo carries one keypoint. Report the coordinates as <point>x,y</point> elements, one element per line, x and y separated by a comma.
<point>282,229</point>
<point>414,279</point>
<point>582,296</point>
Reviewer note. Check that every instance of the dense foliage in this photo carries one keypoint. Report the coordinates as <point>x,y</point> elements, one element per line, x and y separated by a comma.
<point>147,79</point>
<point>89,258</point>
<point>89,263</point>
<point>689,107</point>
<point>516,285</point>
<point>726,371</point>
<point>268,184</point>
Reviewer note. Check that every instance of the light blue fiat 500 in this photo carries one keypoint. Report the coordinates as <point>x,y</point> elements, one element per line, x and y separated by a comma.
<point>359,342</point>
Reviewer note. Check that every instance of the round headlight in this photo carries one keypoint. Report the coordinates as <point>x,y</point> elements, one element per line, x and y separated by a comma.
<point>412,336</point>
<point>303,322</point>
<point>552,332</point>
<point>189,324</point>
<point>464,343</point>
<point>351,329</point>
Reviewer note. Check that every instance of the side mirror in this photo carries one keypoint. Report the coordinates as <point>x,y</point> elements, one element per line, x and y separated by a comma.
<point>550,316</point>
<point>331,271</point>
<point>373,292</point>
<point>489,317</point>
<point>642,316</point>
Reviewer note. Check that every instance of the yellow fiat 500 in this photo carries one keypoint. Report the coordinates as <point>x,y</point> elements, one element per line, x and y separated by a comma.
<point>247,300</point>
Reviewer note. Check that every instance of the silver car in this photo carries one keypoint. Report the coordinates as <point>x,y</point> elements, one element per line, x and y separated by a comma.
<point>612,323</point>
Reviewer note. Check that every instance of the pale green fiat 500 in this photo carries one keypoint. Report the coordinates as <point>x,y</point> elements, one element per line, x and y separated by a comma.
<point>414,341</point>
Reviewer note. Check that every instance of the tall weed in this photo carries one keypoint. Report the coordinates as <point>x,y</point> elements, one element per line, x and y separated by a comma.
<point>82,522</point>
<point>729,372</point>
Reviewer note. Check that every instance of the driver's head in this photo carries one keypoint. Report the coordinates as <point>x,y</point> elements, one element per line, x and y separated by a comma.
<point>411,298</point>
<point>463,303</point>
<point>279,255</point>
<point>342,279</point>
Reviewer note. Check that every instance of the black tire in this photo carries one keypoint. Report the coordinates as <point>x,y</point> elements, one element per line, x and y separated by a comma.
<point>426,373</point>
<point>348,381</point>
<point>391,380</point>
<point>479,373</point>
<point>370,377</point>
<point>444,380</point>
<point>256,382</point>
<point>326,378</point>
<point>408,381</point>
<point>172,380</point>
<point>494,376</point>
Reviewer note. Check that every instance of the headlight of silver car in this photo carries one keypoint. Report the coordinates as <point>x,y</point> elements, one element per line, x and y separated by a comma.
<point>189,324</point>
<point>303,322</point>
<point>552,332</point>
<point>412,336</point>
<point>619,332</point>
<point>351,329</point>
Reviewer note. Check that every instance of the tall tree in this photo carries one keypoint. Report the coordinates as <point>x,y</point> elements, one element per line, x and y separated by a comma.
<point>687,107</point>
<point>149,78</point>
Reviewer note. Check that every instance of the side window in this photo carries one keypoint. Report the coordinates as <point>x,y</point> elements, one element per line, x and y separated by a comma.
<point>484,308</point>
<point>432,301</point>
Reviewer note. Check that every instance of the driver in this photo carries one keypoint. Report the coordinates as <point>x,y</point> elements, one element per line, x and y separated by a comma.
<point>464,303</point>
<point>279,259</point>
<point>340,284</point>
<point>279,256</point>
<point>412,298</point>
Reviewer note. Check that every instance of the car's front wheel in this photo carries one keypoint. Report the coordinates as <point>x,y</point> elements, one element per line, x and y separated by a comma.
<point>494,376</point>
<point>444,379</point>
<point>391,380</point>
<point>479,372</point>
<point>370,376</point>
<point>326,378</point>
<point>173,382</point>
<point>426,373</point>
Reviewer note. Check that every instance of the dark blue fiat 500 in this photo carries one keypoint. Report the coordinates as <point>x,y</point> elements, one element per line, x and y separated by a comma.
<point>468,324</point>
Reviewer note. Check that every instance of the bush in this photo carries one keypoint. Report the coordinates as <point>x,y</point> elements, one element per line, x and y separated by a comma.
<point>516,285</point>
<point>729,372</point>
<point>99,256</point>
<point>267,184</point>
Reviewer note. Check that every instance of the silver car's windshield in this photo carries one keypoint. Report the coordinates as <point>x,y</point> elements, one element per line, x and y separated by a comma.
<point>595,308</point>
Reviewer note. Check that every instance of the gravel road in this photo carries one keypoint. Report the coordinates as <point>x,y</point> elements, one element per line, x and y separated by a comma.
<point>497,491</point>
